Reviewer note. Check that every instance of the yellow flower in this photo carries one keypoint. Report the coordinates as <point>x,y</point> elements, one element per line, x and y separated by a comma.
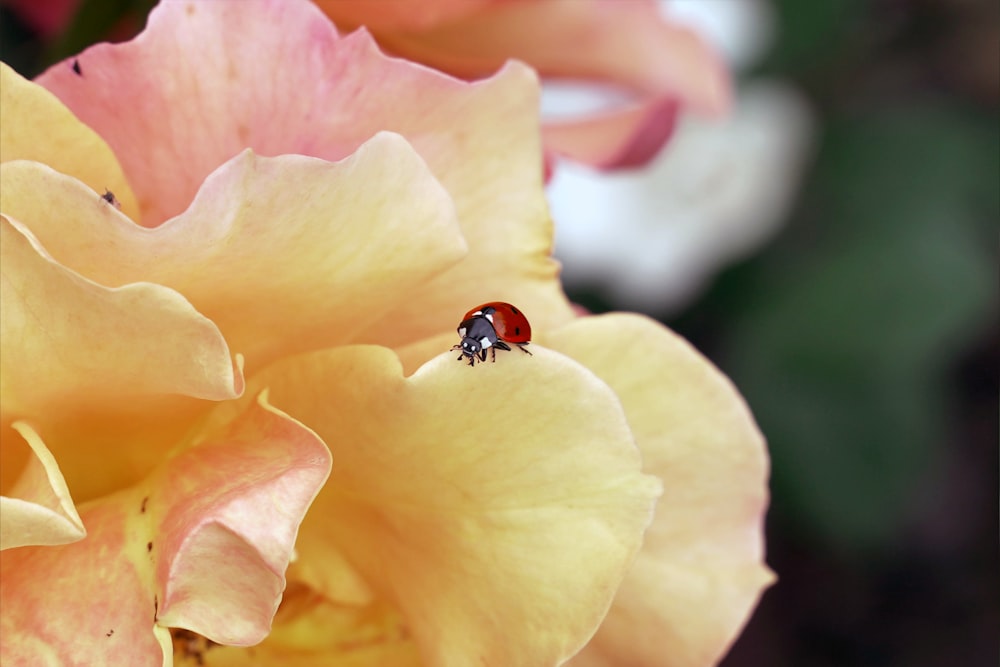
<point>298,207</point>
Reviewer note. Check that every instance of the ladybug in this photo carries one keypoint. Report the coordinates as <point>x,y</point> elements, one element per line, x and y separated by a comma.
<point>492,325</point>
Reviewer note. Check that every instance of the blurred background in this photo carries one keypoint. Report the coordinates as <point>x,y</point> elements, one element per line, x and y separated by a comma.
<point>833,247</point>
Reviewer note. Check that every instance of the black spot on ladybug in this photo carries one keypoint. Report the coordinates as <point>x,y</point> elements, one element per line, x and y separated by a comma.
<point>517,331</point>
<point>142,508</point>
<point>149,546</point>
<point>76,67</point>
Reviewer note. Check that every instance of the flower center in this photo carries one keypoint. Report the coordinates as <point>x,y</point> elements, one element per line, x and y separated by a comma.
<point>308,623</point>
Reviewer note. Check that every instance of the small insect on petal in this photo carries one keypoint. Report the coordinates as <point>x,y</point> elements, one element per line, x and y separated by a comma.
<point>109,197</point>
<point>491,326</point>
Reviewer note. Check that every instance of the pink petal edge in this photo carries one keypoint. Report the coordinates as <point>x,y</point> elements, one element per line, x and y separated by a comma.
<point>626,138</point>
<point>202,543</point>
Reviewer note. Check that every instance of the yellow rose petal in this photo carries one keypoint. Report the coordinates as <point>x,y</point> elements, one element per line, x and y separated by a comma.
<point>38,510</point>
<point>37,126</point>
<point>481,140</point>
<point>96,345</point>
<point>483,503</point>
<point>284,254</point>
<point>492,168</point>
<point>701,569</point>
<point>77,355</point>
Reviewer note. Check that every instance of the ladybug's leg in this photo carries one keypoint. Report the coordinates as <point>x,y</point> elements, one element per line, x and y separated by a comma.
<point>522,347</point>
<point>482,354</point>
<point>493,353</point>
<point>502,345</point>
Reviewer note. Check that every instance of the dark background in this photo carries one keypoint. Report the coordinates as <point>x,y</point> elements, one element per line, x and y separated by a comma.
<point>865,337</point>
<point>865,340</point>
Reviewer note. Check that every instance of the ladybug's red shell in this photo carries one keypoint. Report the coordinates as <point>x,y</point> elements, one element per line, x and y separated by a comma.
<point>491,326</point>
<point>508,321</point>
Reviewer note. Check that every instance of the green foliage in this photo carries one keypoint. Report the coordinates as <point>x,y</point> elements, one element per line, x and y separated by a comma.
<point>843,335</point>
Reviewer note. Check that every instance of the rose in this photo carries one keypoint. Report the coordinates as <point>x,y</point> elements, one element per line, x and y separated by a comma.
<point>466,509</point>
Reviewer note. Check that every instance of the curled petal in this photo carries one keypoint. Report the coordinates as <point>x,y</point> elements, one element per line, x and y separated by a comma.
<point>625,138</point>
<point>89,366</point>
<point>38,510</point>
<point>283,254</point>
<point>228,513</point>
<point>701,569</point>
<point>480,140</point>
<point>94,345</point>
<point>37,126</point>
<point>482,503</point>
<point>202,544</point>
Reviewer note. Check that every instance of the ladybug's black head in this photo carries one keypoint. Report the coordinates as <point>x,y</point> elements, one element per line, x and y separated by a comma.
<point>477,334</point>
<point>470,346</point>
